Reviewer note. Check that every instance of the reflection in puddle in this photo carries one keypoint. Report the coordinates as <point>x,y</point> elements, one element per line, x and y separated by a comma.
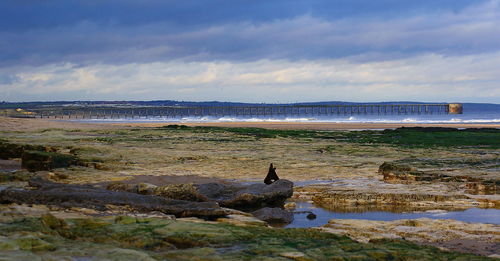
<point>478,215</point>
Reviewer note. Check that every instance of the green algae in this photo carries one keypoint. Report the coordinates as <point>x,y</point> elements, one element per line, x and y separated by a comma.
<point>130,238</point>
<point>430,137</point>
<point>409,137</point>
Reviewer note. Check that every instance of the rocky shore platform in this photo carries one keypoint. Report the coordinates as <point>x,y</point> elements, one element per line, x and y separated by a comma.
<point>196,193</point>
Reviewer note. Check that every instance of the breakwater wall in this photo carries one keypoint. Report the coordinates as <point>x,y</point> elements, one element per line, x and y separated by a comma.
<point>111,112</point>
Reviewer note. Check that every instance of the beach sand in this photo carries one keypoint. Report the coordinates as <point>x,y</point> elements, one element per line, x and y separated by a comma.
<point>26,124</point>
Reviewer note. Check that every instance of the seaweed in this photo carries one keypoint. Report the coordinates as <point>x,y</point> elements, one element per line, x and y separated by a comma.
<point>181,240</point>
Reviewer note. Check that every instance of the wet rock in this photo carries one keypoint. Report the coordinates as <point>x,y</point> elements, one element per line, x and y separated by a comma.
<point>311,216</point>
<point>274,215</point>
<point>255,195</point>
<point>360,195</point>
<point>226,195</point>
<point>400,172</point>
<point>449,234</point>
<point>67,196</point>
<point>40,160</point>
<point>392,200</point>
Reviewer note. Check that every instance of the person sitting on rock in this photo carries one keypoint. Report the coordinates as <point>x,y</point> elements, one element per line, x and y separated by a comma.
<point>271,175</point>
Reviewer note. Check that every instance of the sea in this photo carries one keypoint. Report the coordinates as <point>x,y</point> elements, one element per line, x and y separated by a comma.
<point>473,113</point>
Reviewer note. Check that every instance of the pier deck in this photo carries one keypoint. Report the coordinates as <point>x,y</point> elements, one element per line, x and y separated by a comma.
<point>108,112</point>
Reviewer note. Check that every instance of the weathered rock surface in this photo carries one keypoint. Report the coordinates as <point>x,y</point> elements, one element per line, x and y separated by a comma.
<point>478,184</point>
<point>374,198</point>
<point>11,212</point>
<point>372,194</point>
<point>254,195</point>
<point>274,215</point>
<point>455,235</point>
<point>227,195</point>
<point>130,238</point>
<point>82,196</point>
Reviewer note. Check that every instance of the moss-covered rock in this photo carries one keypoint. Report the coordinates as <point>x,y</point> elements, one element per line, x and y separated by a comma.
<point>403,172</point>
<point>388,167</point>
<point>400,171</point>
<point>179,191</point>
<point>127,238</point>
<point>41,160</point>
<point>7,244</point>
<point>12,150</point>
<point>33,243</point>
<point>235,196</point>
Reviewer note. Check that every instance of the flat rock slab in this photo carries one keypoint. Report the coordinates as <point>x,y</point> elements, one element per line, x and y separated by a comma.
<point>236,196</point>
<point>65,195</point>
<point>479,238</point>
<point>254,195</point>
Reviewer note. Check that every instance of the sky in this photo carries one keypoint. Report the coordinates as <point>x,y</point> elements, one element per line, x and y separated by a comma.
<point>273,51</point>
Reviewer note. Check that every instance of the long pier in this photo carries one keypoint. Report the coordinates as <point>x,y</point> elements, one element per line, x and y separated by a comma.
<point>110,112</point>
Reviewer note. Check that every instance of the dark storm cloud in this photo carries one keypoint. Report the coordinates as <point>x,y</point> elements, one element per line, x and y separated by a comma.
<point>32,14</point>
<point>36,32</point>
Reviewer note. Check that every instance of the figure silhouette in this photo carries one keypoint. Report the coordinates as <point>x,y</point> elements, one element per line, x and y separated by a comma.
<point>271,175</point>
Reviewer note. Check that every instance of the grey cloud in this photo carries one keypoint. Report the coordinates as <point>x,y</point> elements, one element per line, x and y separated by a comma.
<point>427,77</point>
<point>468,30</point>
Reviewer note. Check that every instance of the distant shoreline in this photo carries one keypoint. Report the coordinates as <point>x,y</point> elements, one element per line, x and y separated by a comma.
<point>316,125</point>
<point>13,124</point>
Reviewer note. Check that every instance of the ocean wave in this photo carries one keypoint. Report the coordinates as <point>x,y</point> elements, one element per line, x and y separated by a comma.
<point>351,119</point>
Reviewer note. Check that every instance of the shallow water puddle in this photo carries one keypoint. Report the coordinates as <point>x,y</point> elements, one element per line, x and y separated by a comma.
<point>477,215</point>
